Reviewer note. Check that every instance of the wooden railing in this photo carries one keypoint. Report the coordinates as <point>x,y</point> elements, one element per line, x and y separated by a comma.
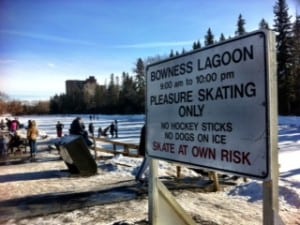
<point>128,149</point>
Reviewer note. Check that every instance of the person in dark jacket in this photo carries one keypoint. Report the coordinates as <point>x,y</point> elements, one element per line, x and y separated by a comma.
<point>116,128</point>
<point>112,129</point>
<point>78,128</point>
<point>99,132</point>
<point>91,129</point>
<point>59,128</point>
<point>142,152</point>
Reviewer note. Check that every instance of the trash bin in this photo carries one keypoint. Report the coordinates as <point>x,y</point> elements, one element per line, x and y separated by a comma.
<point>77,156</point>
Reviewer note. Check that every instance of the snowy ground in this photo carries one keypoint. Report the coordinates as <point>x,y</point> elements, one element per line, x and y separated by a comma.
<point>48,176</point>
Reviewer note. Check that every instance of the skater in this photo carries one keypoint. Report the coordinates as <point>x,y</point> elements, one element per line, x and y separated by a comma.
<point>91,129</point>
<point>116,128</point>
<point>59,129</point>
<point>32,135</point>
<point>112,129</point>
<point>78,128</point>
<point>99,132</point>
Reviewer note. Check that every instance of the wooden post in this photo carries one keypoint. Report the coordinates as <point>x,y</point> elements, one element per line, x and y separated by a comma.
<point>178,171</point>
<point>126,150</point>
<point>214,176</point>
<point>94,141</point>
<point>270,187</point>
<point>153,191</point>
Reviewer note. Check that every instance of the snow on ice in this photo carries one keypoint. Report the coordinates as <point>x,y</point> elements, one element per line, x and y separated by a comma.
<point>239,204</point>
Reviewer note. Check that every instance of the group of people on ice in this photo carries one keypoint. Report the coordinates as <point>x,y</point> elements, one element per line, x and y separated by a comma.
<point>112,129</point>
<point>77,127</point>
<point>15,139</point>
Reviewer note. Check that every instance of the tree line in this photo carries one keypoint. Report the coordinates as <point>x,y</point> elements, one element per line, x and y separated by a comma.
<point>128,95</point>
<point>288,55</point>
<point>16,107</point>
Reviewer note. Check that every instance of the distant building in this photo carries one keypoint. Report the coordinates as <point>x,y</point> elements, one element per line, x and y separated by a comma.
<point>87,87</point>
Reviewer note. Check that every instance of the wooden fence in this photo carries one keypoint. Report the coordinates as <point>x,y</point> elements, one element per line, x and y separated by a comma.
<point>115,147</point>
<point>129,149</point>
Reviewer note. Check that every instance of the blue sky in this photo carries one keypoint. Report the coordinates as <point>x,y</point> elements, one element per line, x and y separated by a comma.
<point>45,42</point>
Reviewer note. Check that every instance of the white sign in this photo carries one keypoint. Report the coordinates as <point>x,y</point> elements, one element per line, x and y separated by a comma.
<point>209,108</point>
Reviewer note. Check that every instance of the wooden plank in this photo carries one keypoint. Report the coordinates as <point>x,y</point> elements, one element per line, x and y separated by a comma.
<point>118,143</point>
<point>116,152</point>
<point>126,147</point>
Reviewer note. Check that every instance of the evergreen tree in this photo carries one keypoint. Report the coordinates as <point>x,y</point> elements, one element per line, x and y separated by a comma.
<point>199,44</point>
<point>222,37</point>
<point>112,96</point>
<point>209,38</point>
<point>171,54</point>
<point>263,25</point>
<point>128,102</point>
<point>140,82</point>
<point>54,104</point>
<point>296,62</point>
<point>283,31</point>
<point>140,75</point>
<point>196,45</point>
<point>99,97</point>
<point>240,26</point>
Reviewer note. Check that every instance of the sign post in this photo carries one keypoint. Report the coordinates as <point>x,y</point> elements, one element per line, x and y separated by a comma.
<point>270,186</point>
<point>215,108</point>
